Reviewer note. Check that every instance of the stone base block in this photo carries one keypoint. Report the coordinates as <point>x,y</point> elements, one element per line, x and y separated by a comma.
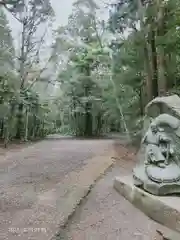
<point>163,209</point>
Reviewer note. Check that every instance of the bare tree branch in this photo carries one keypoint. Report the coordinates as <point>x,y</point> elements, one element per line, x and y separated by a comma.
<point>31,20</point>
<point>38,76</point>
<point>96,31</point>
<point>37,44</point>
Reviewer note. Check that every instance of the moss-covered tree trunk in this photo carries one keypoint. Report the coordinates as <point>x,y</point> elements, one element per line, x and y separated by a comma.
<point>20,125</point>
<point>152,40</point>
<point>162,81</point>
<point>148,76</point>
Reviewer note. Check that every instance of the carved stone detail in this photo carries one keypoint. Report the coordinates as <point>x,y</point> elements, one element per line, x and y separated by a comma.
<point>158,171</point>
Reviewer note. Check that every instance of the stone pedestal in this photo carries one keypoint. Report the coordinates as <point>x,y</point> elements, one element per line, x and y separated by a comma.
<point>163,209</point>
<point>158,188</point>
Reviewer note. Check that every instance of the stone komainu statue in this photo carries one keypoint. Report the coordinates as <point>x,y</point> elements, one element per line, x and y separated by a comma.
<point>158,170</point>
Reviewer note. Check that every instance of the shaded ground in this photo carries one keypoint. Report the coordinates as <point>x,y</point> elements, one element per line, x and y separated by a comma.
<point>35,169</point>
<point>28,173</point>
<point>105,215</point>
<point>13,146</point>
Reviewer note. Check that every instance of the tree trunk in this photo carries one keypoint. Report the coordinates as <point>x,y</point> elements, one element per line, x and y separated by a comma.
<point>162,89</point>
<point>88,115</point>
<point>120,108</point>
<point>11,120</point>
<point>88,105</point>
<point>147,65</point>
<point>22,78</point>
<point>88,121</point>
<point>6,132</point>
<point>26,125</point>
<point>99,124</point>
<point>2,128</point>
<point>162,85</point>
<point>154,61</point>
<point>148,74</point>
<point>20,127</point>
<point>171,69</point>
<point>141,105</point>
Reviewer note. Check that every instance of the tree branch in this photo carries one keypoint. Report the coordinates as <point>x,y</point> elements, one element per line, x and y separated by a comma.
<point>36,78</point>
<point>96,31</point>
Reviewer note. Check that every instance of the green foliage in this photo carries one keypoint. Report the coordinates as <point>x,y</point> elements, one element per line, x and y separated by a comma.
<point>100,83</point>
<point>19,105</point>
<point>6,45</point>
<point>90,104</point>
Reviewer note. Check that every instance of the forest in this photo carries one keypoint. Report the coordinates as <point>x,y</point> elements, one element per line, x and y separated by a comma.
<point>98,74</point>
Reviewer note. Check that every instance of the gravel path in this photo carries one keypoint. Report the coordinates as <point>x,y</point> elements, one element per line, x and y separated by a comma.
<point>105,215</point>
<point>29,172</point>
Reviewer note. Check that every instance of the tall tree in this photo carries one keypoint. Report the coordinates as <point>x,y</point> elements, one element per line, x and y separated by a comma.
<point>31,14</point>
<point>84,32</point>
<point>7,53</point>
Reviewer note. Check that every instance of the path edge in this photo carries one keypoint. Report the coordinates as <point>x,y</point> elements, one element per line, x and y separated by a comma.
<point>82,191</point>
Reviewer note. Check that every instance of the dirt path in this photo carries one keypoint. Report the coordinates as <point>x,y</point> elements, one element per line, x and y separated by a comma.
<point>105,215</point>
<point>27,173</point>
